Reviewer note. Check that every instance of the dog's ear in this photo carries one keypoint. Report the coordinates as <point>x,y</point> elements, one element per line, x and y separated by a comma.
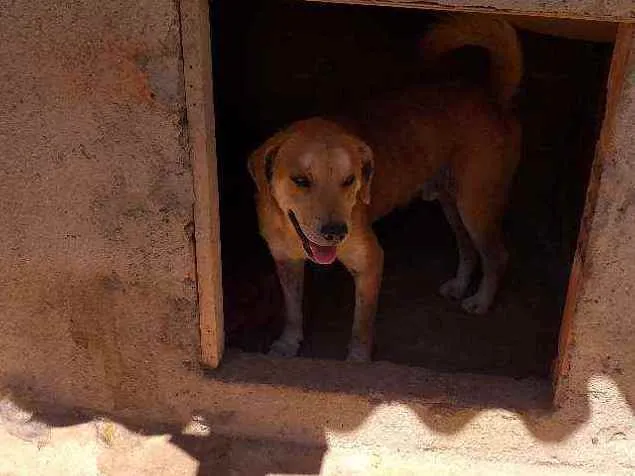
<point>261,163</point>
<point>368,169</point>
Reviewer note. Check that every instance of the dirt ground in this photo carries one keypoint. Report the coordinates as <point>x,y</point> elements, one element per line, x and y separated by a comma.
<point>312,66</point>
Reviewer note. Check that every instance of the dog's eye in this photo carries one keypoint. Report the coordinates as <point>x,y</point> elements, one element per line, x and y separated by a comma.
<point>301,181</point>
<point>350,180</point>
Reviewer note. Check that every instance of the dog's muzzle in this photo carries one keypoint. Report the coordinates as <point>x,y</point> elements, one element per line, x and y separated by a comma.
<point>317,253</point>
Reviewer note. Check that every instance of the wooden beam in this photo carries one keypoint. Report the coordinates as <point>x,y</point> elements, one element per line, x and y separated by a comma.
<point>596,31</point>
<point>615,11</point>
<point>197,67</point>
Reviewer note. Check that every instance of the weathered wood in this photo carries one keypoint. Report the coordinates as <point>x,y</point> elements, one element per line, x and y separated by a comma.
<point>616,11</point>
<point>606,154</point>
<point>195,34</point>
<point>597,31</point>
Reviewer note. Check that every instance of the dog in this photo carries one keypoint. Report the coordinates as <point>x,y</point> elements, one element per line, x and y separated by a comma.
<point>322,182</point>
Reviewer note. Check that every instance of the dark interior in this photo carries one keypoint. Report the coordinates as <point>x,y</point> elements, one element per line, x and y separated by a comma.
<point>278,61</point>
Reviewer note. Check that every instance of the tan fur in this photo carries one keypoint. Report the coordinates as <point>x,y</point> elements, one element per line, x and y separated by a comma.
<point>446,142</point>
<point>478,30</point>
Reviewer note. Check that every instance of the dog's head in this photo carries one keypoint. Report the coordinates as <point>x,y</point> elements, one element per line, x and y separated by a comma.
<point>316,173</point>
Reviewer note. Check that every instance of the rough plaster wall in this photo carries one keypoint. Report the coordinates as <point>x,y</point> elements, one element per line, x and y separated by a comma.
<point>603,326</point>
<point>97,288</point>
<point>606,325</point>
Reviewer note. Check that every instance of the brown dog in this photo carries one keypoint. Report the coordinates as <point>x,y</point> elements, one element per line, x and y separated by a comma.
<point>453,143</point>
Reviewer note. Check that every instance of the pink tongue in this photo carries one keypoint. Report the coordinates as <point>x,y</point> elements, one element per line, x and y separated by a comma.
<point>323,254</point>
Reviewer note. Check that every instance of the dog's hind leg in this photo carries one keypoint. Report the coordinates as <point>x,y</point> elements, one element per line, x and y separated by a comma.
<point>456,287</point>
<point>441,187</point>
<point>483,179</point>
<point>494,257</point>
<point>291,275</point>
<point>480,207</point>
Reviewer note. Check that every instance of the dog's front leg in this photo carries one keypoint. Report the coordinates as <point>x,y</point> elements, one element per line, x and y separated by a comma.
<point>291,275</point>
<point>365,260</point>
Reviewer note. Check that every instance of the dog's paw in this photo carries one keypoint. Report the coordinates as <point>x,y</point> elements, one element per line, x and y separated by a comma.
<point>476,304</point>
<point>358,353</point>
<point>453,289</point>
<point>284,348</point>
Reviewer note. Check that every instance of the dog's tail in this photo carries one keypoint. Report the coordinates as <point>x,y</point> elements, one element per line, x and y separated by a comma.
<point>495,35</point>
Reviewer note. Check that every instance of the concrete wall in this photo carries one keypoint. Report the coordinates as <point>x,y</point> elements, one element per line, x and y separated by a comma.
<point>97,289</point>
<point>97,272</point>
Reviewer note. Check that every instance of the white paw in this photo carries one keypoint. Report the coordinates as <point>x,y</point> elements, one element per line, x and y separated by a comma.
<point>358,353</point>
<point>476,304</point>
<point>285,347</point>
<point>453,289</point>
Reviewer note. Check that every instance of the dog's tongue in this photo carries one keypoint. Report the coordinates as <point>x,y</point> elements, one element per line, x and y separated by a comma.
<point>323,254</point>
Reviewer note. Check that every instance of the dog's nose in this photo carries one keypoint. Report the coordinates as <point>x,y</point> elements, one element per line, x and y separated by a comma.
<point>334,231</point>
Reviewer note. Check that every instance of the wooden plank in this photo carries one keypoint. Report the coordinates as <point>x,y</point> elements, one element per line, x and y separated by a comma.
<point>596,31</point>
<point>197,59</point>
<point>624,47</point>
<point>615,11</point>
